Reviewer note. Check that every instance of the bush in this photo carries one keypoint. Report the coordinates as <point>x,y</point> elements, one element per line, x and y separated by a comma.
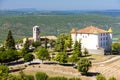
<point>74,79</point>
<point>29,77</point>
<point>28,57</point>
<point>112,78</point>
<point>41,76</point>
<point>4,70</point>
<point>100,77</point>
<point>57,78</point>
<point>83,65</point>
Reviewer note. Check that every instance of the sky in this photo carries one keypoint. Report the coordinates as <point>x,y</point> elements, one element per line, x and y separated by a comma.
<point>60,4</point>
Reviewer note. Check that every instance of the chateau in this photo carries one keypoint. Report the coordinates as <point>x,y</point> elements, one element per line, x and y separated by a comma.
<point>93,38</point>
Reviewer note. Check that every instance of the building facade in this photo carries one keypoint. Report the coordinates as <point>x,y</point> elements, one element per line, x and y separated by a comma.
<point>93,38</point>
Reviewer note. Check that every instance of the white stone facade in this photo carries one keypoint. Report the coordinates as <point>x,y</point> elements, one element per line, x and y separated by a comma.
<point>93,38</point>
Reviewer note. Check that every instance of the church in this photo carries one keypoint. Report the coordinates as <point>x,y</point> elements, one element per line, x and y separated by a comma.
<point>94,39</point>
<point>37,37</point>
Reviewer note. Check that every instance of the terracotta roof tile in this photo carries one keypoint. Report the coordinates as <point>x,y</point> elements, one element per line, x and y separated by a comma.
<point>91,30</point>
<point>49,37</point>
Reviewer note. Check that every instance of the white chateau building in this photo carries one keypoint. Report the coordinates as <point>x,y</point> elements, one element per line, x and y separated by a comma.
<point>93,38</point>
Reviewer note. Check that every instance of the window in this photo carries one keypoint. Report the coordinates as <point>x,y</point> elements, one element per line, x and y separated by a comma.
<point>106,38</point>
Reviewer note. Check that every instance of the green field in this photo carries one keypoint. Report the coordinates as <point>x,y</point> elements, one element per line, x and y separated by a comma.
<point>21,26</point>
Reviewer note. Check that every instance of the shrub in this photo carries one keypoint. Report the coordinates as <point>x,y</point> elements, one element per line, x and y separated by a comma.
<point>100,77</point>
<point>29,77</point>
<point>112,78</point>
<point>41,76</point>
<point>83,65</point>
<point>57,78</point>
<point>74,79</point>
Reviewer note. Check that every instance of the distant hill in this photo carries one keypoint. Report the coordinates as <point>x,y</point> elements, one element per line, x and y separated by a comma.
<point>32,11</point>
<point>21,26</point>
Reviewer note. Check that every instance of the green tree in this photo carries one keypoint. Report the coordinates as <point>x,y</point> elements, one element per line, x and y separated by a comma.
<point>61,57</point>
<point>43,54</point>
<point>36,44</point>
<point>85,52</point>
<point>84,65</point>
<point>41,76</point>
<point>60,43</point>
<point>77,49</point>
<point>52,43</point>
<point>26,47</point>
<point>2,49</point>
<point>13,77</point>
<point>116,47</point>
<point>8,56</point>
<point>25,77</point>
<point>100,77</point>
<point>45,43</point>
<point>4,70</point>
<point>69,41</point>
<point>74,58</point>
<point>112,78</point>
<point>29,77</point>
<point>10,42</point>
<point>28,57</point>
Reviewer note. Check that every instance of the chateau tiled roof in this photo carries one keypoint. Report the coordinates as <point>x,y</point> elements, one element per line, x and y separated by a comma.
<point>91,30</point>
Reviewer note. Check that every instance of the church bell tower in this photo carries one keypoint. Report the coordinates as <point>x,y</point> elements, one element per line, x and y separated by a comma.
<point>36,33</point>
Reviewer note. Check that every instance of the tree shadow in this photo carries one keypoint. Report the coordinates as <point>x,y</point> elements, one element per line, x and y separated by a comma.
<point>90,74</point>
<point>86,55</point>
<point>15,63</point>
<point>50,63</point>
<point>15,70</point>
<point>67,64</point>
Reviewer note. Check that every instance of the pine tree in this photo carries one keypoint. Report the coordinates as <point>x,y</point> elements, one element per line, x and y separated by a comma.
<point>77,49</point>
<point>45,43</point>
<point>10,43</point>
<point>86,52</point>
<point>26,47</point>
<point>69,41</point>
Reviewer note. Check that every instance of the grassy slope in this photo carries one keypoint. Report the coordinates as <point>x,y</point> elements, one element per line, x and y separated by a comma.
<point>53,25</point>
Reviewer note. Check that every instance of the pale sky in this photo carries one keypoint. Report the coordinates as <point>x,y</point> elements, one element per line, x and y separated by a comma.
<point>61,4</point>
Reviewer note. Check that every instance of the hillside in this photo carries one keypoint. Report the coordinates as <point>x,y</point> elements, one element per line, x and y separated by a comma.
<point>55,24</point>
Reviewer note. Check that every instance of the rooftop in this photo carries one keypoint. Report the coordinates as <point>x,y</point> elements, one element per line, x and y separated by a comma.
<point>49,37</point>
<point>91,30</point>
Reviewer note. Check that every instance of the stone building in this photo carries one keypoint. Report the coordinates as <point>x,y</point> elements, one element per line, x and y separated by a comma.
<point>94,39</point>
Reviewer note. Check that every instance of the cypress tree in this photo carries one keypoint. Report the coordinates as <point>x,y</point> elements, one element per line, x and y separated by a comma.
<point>45,43</point>
<point>26,47</point>
<point>10,42</point>
<point>77,49</point>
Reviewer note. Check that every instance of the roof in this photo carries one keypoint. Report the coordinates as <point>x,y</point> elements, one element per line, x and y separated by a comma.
<point>91,30</point>
<point>30,38</point>
<point>73,31</point>
<point>49,37</point>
